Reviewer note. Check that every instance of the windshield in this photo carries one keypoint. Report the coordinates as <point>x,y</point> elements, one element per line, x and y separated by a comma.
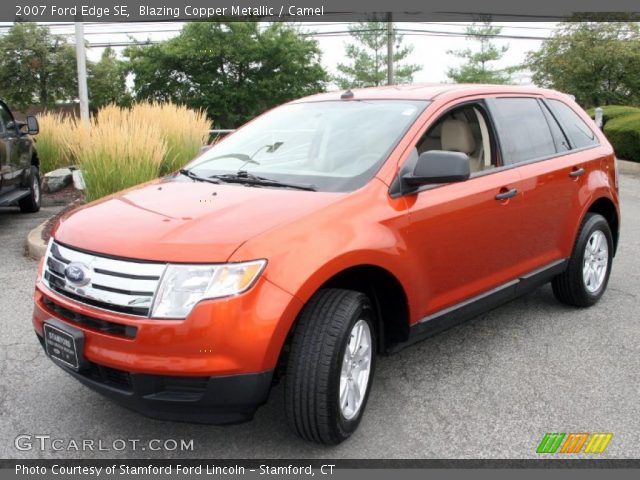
<point>335,146</point>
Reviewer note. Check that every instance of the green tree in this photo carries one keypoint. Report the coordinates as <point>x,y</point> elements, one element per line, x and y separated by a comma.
<point>477,63</point>
<point>233,70</point>
<point>107,81</point>
<point>368,55</point>
<point>36,67</point>
<point>597,62</point>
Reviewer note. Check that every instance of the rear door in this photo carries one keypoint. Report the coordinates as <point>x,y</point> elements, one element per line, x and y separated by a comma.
<point>552,176</point>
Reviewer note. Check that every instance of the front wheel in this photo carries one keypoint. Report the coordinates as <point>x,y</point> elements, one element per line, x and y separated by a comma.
<point>330,366</point>
<point>586,277</point>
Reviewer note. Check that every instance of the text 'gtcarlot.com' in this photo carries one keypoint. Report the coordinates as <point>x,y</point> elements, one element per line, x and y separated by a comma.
<point>28,442</point>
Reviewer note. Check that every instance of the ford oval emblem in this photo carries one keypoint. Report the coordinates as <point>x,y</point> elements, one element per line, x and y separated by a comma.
<point>77,274</point>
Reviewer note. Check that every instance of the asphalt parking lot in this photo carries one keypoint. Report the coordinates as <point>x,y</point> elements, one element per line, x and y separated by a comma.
<point>490,388</point>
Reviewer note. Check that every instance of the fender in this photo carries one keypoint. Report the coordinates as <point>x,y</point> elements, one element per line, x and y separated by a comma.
<point>363,229</point>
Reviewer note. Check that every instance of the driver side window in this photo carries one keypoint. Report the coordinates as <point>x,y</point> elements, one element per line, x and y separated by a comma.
<point>464,129</point>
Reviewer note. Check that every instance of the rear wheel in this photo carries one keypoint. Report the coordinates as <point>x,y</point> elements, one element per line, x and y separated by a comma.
<point>31,203</point>
<point>587,275</point>
<point>330,366</point>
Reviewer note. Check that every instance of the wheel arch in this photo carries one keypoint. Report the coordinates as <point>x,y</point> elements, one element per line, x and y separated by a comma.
<point>605,207</point>
<point>388,296</point>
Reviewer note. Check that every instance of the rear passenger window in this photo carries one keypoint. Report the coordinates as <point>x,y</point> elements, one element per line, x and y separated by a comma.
<point>523,130</point>
<point>579,133</point>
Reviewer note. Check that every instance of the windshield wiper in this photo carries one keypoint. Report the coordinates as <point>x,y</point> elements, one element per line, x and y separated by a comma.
<point>198,178</point>
<point>243,157</point>
<point>246,178</point>
<point>240,156</point>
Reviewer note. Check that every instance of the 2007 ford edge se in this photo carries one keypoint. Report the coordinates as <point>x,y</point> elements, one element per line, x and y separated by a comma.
<point>323,232</point>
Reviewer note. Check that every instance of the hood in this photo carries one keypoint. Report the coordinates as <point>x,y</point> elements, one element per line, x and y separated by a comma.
<point>183,221</point>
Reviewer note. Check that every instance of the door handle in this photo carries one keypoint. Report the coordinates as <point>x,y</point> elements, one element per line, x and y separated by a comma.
<point>508,194</point>
<point>576,172</point>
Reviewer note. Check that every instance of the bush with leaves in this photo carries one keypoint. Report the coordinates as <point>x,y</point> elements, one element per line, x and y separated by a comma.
<point>624,134</point>
<point>609,112</point>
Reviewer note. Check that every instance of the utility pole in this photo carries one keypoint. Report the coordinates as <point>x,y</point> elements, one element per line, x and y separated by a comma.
<point>81,61</point>
<point>390,40</point>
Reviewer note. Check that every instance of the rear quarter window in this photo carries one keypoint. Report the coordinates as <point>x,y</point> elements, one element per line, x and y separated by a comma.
<point>523,129</point>
<point>579,133</point>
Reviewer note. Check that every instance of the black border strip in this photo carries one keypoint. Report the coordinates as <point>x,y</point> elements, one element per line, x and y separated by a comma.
<point>551,463</point>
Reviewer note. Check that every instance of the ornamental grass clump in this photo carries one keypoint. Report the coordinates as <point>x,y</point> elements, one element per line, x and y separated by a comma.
<point>117,151</point>
<point>52,143</point>
<point>185,131</point>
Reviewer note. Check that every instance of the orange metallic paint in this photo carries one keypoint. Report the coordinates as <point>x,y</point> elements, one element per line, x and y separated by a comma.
<point>443,245</point>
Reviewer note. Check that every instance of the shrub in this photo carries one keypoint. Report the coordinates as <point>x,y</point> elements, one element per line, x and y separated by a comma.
<point>52,143</point>
<point>609,112</point>
<point>624,134</point>
<point>117,151</point>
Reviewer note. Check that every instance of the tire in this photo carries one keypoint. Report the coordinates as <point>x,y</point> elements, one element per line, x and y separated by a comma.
<point>31,204</point>
<point>314,379</point>
<point>573,287</point>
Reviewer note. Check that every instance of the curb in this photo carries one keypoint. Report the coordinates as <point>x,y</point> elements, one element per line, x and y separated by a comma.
<point>627,167</point>
<point>36,247</point>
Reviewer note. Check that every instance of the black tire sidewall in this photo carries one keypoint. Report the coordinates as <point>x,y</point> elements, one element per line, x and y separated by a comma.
<point>592,223</point>
<point>347,426</point>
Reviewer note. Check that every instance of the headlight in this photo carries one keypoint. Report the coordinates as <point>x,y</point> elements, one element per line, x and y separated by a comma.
<point>183,286</point>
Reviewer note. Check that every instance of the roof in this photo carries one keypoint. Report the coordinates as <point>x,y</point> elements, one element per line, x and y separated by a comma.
<point>427,91</point>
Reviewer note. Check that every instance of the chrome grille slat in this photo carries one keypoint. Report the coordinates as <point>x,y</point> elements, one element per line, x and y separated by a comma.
<point>111,281</point>
<point>115,285</point>
<point>117,266</point>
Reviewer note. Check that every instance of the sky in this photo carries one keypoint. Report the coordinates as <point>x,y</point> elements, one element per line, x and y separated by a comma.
<point>429,52</point>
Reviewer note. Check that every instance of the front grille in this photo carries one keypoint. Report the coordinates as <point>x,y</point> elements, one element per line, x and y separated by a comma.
<point>93,323</point>
<point>124,286</point>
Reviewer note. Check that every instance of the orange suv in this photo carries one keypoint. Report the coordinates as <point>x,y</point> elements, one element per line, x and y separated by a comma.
<point>320,234</point>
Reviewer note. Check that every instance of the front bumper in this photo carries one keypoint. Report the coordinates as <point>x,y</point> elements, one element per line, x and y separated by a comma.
<point>228,336</point>
<point>211,400</point>
<point>215,366</point>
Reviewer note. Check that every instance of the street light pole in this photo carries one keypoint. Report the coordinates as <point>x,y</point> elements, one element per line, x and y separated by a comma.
<point>390,40</point>
<point>81,61</point>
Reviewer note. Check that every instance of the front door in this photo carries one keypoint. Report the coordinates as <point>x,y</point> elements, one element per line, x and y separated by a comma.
<point>464,234</point>
<point>9,156</point>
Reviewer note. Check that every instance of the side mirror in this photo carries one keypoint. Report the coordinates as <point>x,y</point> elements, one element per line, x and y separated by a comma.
<point>32,125</point>
<point>438,166</point>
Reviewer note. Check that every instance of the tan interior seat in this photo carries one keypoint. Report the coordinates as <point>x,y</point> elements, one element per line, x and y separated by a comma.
<point>457,137</point>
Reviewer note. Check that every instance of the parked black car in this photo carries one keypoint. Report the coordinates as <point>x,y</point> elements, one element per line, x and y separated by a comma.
<point>19,164</point>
